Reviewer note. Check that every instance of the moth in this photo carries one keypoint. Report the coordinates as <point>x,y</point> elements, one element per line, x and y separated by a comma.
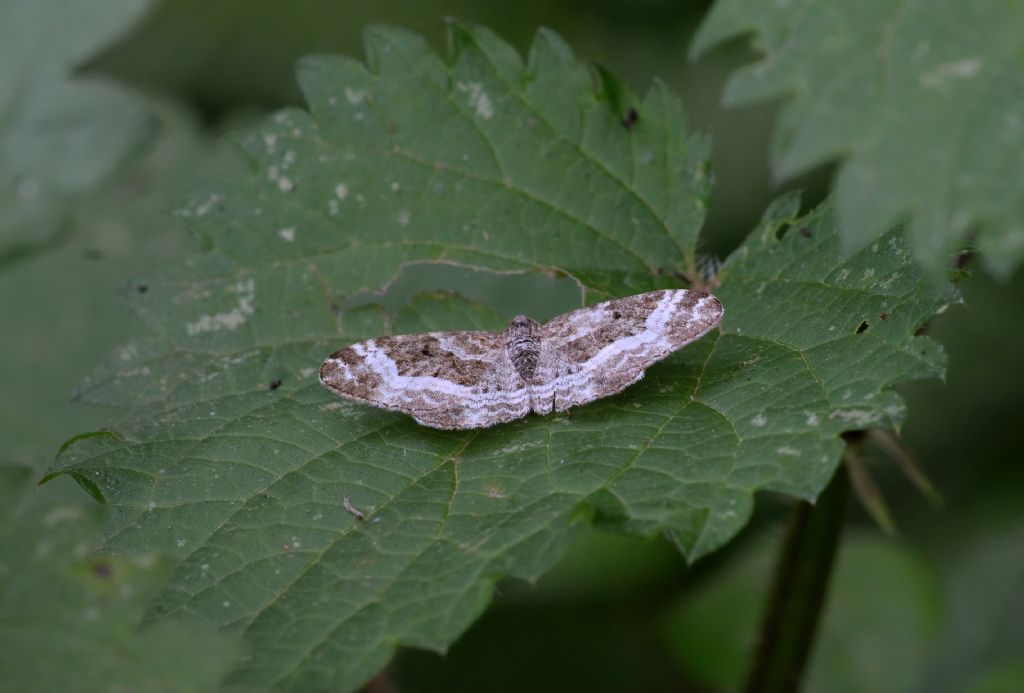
<point>475,379</point>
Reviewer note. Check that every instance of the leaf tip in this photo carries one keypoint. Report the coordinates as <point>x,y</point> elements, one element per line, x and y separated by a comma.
<point>90,435</point>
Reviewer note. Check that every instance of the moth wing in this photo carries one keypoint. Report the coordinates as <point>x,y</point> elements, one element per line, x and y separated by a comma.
<point>602,349</point>
<point>450,380</point>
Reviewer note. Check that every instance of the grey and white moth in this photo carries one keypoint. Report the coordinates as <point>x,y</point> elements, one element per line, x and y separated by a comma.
<point>457,380</point>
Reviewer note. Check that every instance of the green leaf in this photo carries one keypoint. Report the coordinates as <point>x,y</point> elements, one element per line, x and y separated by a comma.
<point>66,313</point>
<point>68,617</point>
<point>60,135</point>
<point>475,160</point>
<point>925,100</point>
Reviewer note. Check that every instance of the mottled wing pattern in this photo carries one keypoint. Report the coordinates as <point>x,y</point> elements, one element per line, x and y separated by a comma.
<point>443,379</point>
<point>477,379</point>
<point>602,349</point>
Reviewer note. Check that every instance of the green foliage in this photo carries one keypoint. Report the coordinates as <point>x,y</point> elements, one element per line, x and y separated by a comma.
<point>59,137</point>
<point>977,551</point>
<point>68,617</point>
<point>900,616</point>
<point>924,98</point>
<point>64,300</point>
<point>713,629</point>
<point>79,211</point>
<point>483,161</point>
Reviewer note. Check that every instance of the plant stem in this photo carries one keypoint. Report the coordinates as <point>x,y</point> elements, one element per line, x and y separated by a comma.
<point>798,593</point>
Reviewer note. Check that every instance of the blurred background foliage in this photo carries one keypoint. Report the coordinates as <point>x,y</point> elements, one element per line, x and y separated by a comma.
<point>933,608</point>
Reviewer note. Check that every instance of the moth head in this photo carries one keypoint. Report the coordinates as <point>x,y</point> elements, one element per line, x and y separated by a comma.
<point>521,322</point>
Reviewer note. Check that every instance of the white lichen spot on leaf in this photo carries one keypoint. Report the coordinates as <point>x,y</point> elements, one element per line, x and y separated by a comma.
<point>478,99</point>
<point>203,208</point>
<point>355,96</point>
<point>245,290</point>
<point>942,75</point>
<point>856,418</point>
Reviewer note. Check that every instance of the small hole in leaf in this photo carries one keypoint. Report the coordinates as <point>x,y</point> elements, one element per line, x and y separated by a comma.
<point>863,327</point>
<point>629,120</point>
<point>274,384</point>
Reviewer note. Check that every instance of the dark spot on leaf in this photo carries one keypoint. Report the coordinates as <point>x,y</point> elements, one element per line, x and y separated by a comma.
<point>274,384</point>
<point>805,232</point>
<point>142,288</point>
<point>659,271</point>
<point>863,327</point>
<point>629,120</point>
<point>883,315</point>
<point>103,569</point>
